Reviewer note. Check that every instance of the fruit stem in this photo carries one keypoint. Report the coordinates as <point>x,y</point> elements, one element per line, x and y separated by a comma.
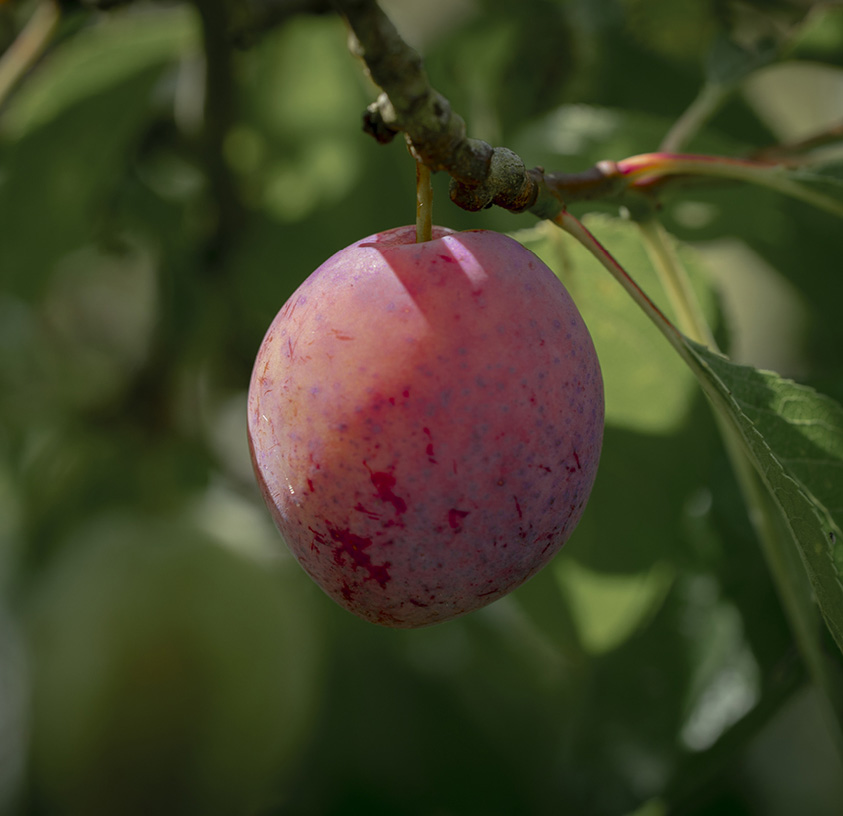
<point>424,204</point>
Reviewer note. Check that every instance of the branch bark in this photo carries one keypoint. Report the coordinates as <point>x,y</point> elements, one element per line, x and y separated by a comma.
<point>481,175</point>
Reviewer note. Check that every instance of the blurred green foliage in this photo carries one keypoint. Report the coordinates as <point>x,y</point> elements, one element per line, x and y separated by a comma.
<point>159,650</point>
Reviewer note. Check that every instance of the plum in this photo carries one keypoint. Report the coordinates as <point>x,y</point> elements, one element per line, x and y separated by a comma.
<point>425,422</point>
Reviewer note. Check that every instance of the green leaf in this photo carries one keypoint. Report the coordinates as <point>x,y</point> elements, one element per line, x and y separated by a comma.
<point>610,608</point>
<point>756,410</point>
<point>790,521</point>
<point>647,389</point>
<point>820,39</point>
<point>96,60</point>
<point>59,180</point>
<point>794,437</point>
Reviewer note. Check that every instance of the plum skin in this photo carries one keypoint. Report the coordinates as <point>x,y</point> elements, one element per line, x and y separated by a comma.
<point>425,422</point>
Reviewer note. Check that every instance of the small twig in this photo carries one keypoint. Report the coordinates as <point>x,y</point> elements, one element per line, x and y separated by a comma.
<point>794,152</point>
<point>30,43</point>
<point>704,106</point>
<point>675,282</point>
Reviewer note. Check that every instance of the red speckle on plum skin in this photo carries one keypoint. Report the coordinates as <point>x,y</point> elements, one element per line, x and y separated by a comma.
<point>431,456</point>
<point>455,518</point>
<point>384,482</point>
<point>360,509</point>
<point>318,538</point>
<point>575,467</point>
<point>355,546</point>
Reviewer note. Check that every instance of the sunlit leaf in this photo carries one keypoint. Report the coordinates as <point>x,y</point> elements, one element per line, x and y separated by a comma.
<point>610,608</point>
<point>647,388</point>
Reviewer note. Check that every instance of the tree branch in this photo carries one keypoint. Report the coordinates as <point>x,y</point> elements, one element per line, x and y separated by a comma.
<point>481,175</point>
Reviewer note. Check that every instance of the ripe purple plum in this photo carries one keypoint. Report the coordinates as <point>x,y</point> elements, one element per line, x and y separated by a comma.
<point>425,422</point>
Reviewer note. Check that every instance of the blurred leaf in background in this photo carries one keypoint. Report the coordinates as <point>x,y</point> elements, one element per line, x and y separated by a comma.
<point>159,650</point>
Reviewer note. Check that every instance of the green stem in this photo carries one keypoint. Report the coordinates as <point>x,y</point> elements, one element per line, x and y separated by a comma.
<point>704,106</point>
<point>577,229</point>
<point>677,285</point>
<point>22,54</point>
<point>795,152</point>
<point>647,169</point>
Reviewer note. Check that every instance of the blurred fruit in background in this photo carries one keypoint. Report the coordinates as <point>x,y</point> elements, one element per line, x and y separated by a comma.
<point>170,674</point>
